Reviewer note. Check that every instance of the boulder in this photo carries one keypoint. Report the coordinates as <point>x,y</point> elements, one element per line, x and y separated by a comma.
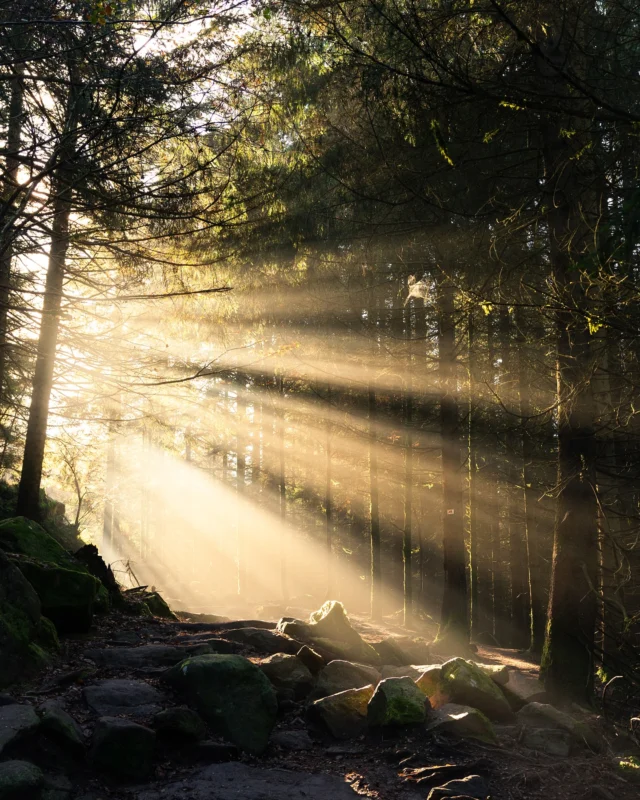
<point>397,701</point>
<point>61,726</point>
<point>243,782</point>
<point>157,605</point>
<point>464,722</point>
<point>136,699</point>
<point>313,661</point>
<point>344,714</point>
<point>57,787</point>
<point>541,715</point>
<point>123,748</point>
<point>295,741</point>
<point>288,672</point>
<point>66,589</point>
<point>521,689</point>
<point>401,651</point>
<point>16,723</point>
<point>473,787</point>
<point>180,724</point>
<point>331,634</point>
<point>467,684</point>
<point>338,676</point>
<point>499,673</point>
<point>20,624</point>
<point>431,683</point>
<point>20,780</point>
<point>67,596</point>
<point>552,741</point>
<point>265,641</point>
<point>233,696</point>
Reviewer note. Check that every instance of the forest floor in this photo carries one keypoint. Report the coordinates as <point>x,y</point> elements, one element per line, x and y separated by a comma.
<point>375,765</point>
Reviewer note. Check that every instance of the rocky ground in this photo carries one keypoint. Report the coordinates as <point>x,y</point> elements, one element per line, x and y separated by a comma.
<point>207,710</point>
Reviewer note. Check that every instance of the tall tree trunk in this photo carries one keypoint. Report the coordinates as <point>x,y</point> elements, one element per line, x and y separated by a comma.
<point>474,529</point>
<point>241,477</point>
<point>328,498</point>
<point>282,489</point>
<point>374,511</point>
<point>7,215</point>
<point>408,486</point>
<point>453,622</point>
<point>109,501</point>
<point>567,664</point>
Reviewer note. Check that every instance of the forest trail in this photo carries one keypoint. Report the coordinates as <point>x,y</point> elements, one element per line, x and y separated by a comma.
<point>118,671</point>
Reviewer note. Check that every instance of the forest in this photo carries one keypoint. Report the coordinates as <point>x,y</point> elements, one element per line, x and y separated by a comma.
<point>330,304</point>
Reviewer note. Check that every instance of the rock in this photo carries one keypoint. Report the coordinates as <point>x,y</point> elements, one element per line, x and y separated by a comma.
<point>521,689</point>
<point>390,671</point>
<point>123,748</point>
<point>16,722</point>
<point>468,685</point>
<point>242,782</point>
<point>263,640</point>
<point>215,752</point>
<point>56,787</point>
<point>339,676</point>
<point>134,699</point>
<point>20,780</point>
<point>20,622</point>
<point>67,596</point>
<point>331,634</point>
<point>433,685</point>
<point>344,714</point>
<point>540,715</point>
<point>296,741</point>
<point>288,672</point>
<point>65,587</point>
<point>181,724</point>
<point>61,726</point>
<point>148,656</point>
<point>499,673</point>
<point>402,651</point>
<point>232,695</point>
<point>7,700</point>
<point>89,556</point>
<point>158,606</point>
<point>397,701</point>
<point>474,786</point>
<point>313,661</point>
<point>552,741</point>
<point>464,722</point>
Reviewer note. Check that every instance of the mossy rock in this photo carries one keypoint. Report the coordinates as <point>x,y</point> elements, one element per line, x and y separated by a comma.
<point>23,536</point>
<point>468,684</point>
<point>397,701</point>
<point>48,635</point>
<point>20,624</point>
<point>67,596</point>
<point>102,602</point>
<point>158,606</point>
<point>233,696</point>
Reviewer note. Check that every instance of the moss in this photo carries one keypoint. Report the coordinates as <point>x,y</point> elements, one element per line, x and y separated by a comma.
<point>629,766</point>
<point>102,601</point>
<point>23,536</point>
<point>158,606</point>
<point>48,635</point>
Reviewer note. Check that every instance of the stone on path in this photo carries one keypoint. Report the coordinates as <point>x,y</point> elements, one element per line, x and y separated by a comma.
<point>146,656</point>
<point>288,672</point>
<point>20,780</point>
<point>463,721</point>
<point>338,676</point>
<point>136,699</point>
<point>242,782</point>
<point>265,641</point>
<point>296,741</point>
<point>180,724</point>
<point>540,715</point>
<point>397,701</point>
<point>467,684</point>
<point>123,748</point>
<point>232,695</point>
<point>552,741</point>
<point>344,714</point>
<point>61,726</point>
<point>499,673</point>
<point>521,689</point>
<point>431,682</point>
<point>16,722</point>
